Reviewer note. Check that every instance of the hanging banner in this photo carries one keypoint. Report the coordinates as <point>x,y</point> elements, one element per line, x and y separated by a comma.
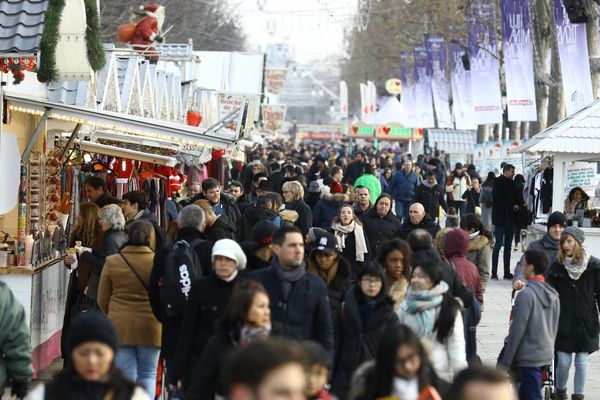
<point>422,90</point>
<point>343,100</point>
<point>364,102</point>
<point>485,64</point>
<point>462,103</point>
<point>574,61</point>
<point>436,57</point>
<point>518,60</point>
<point>372,97</point>
<point>275,79</point>
<point>405,96</point>
<point>273,116</point>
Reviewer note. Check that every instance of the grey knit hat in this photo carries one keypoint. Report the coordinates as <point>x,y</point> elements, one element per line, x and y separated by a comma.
<point>576,233</point>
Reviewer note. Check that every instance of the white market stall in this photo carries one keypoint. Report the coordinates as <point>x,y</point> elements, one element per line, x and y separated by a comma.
<point>573,139</point>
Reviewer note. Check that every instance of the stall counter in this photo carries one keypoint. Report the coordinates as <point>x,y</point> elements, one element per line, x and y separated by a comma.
<point>42,291</point>
<point>592,237</point>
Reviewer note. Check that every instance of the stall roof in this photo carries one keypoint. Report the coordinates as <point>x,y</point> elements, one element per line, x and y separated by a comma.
<point>577,133</point>
<point>144,127</point>
<point>21,25</point>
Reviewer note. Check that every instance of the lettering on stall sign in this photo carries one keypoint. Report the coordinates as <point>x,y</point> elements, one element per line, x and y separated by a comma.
<point>184,279</point>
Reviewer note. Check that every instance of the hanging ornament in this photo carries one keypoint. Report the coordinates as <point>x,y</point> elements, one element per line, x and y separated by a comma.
<point>17,66</point>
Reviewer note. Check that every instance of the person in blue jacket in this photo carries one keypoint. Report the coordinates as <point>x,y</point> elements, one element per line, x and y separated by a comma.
<point>403,186</point>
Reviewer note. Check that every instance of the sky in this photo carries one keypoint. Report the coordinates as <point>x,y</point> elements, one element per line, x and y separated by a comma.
<point>313,28</point>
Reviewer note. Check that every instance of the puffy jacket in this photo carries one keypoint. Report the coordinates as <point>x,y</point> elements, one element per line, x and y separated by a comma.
<point>457,244</point>
<point>220,229</point>
<point>339,285</point>
<point>379,229</point>
<point>431,198</point>
<point>327,208</point>
<point>372,183</point>
<point>305,217</point>
<point>480,254</point>
<point>456,186</point>
<point>15,343</point>
<point>428,224</point>
<point>305,315</point>
<point>403,186</point>
<point>578,326</point>
<point>252,216</point>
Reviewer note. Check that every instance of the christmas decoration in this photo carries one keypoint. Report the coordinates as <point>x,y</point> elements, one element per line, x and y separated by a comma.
<point>16,66</point>
<point>147,31</point>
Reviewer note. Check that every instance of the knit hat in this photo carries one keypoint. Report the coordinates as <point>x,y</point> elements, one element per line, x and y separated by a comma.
<point>314,187</point>
<point>230,249</point>
<point>556,218</point>
<point>576,233</point>
<point>262,233</point>
<point>91,326</point>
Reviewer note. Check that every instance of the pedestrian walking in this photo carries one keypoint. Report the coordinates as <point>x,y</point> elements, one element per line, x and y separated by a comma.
<point>380,224</point>
<point>396,257</point>
<point>370,181</point>
<point>486,200</point>
<point>351,238</point>
<point>403,187</point>
<point>480,249</point>
<point>457,184</point>
<point>293,194</point>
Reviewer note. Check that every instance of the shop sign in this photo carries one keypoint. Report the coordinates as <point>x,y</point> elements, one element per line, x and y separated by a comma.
<point>582,174</point>
<point>273,116</point>
<point>229,102</point>
<point>275,80</point>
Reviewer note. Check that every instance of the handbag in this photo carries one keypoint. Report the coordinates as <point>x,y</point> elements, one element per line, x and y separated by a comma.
<point>135,272</point>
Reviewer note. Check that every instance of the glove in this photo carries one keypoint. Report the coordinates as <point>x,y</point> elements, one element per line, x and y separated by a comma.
<point>19,389</point>
<point>158,39</point>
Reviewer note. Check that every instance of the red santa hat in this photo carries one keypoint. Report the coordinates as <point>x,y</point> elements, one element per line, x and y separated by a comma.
<point>150,7</point>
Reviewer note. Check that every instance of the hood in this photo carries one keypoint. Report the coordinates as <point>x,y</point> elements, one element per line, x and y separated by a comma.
<point>543,292</point>
<point>337,197</point>
<point>550,243</point>
<point>256,214</point>
<point>457,243</point>
<point>478,243</point>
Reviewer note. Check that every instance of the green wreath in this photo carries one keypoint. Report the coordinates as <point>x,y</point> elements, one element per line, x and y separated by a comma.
<point>95,52</point>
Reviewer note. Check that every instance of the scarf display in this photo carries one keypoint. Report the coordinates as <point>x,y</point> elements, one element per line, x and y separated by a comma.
<point>249,335</point>
<point>424,303</point>
<point>342,232</point>
<point>288,277</point>
<point>576,270</point>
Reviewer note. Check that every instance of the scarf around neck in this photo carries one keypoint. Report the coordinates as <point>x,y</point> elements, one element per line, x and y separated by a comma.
<point>288,277</point>
<point>576,270</point>
<point>342,232</point>
<point>249,335</point>
<point>423,304</point>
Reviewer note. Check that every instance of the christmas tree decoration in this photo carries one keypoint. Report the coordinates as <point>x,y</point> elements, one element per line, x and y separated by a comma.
<point>17,66</point>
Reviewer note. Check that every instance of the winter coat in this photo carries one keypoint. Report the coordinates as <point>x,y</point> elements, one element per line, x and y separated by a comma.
<point>380,229</point>
<point>253,262</point>
<point>305,315</point>
<point>327,208</point>
<point>158,236</point>
<point>447,358</point>
<point>530,341</point>
<point>471,196</point>
<point>403,186</point>
<point>428,224</point>
<point>431,198</point>
<point>480,254</point>
<point>15,343</point>
<point>311,200</point>
<point>105,200</point>
<point>397,291</point>
<point>305,217</point>
<point>171,324</point>
<point>232,212</point>
<point>220,229</point>
<point>456,186</point>
<point>486,197</point>
<point>124,299</point>
<point>339,285</point>
<point>112,240</point>
<point>203,311</point>
<point>354,171</point>
<point>578,326</point>
<point>457,243</point>
<point>504,198</point>
<point>252,216</point>
<point>357,341</point>
<point>87,390</point>
<point>349,252</point>
<point>372,183</point>
<point>546,245</point>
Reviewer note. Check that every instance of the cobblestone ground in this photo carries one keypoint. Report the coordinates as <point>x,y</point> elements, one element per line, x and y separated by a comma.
<point>494,326</point>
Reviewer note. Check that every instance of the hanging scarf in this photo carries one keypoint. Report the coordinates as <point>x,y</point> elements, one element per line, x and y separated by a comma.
<point>342,232</point>
<point>424,303</point>
<point>249,335</point>
<point>575,270</point>
<point>287,277</point>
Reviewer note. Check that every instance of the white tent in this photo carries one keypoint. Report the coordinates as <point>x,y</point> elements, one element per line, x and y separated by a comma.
<point>390,113</point>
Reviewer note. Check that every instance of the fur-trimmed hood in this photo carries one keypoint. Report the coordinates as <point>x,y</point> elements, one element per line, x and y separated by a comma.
<point>478,243</point>
<point>337,197</point>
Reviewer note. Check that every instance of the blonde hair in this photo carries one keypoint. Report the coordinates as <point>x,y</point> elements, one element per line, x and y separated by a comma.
<point>577,251</point>
<point>295,188</point>
<point>206,207</point>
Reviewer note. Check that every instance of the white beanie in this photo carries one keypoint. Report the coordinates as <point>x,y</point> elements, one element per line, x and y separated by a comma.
<point>230,249</point>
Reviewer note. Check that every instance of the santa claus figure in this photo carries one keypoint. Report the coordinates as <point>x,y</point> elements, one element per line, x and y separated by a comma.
<point>147,31</point>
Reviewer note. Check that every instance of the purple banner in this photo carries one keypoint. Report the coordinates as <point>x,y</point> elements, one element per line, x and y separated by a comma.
<point>436,64</point>
<point>462,103</point>
<point>404,71</point>
<point>485,65</point>
<point>436,55</point>
<point>574,61</point>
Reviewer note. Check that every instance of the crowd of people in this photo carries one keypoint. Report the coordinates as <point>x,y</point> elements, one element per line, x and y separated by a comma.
<point>315,275</point>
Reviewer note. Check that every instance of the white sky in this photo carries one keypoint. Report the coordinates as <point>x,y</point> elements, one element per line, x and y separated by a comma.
<point>314,28</point>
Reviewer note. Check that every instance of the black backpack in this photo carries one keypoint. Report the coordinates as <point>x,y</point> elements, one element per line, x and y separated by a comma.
<point>182,268</point>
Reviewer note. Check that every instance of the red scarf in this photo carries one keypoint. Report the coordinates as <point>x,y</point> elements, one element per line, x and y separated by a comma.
<point>539,278</point>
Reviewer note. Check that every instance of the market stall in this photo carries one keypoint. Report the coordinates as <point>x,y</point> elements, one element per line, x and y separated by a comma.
<point>560,149</point>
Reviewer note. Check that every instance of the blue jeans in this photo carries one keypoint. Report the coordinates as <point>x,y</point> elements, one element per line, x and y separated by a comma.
<point>563,364</point>
<point>461,206</point>
<point>402,208</point>
<point>530,387</point>
<point>504,236</point>
<point>139,364</point>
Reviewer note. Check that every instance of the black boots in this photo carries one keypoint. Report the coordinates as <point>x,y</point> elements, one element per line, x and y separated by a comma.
<point>561,394</point>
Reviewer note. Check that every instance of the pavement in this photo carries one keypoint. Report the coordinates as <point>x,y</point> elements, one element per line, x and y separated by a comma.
<point>493,328</point>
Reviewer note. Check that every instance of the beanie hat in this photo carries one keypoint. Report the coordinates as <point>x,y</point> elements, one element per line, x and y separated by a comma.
<point>314,187</point>
<point>230,249</point>
<point>576,233</point>
<point>556,218</point>
<point>262,233</point>
<point>91,326</point>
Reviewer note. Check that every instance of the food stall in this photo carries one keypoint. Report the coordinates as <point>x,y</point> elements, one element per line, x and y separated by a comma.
<point>560,150</point>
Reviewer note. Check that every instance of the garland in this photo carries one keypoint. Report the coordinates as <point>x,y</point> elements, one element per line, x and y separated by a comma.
<point>95,52</point>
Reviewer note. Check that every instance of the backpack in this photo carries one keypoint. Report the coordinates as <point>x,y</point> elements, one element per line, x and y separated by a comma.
<point>182,268</point>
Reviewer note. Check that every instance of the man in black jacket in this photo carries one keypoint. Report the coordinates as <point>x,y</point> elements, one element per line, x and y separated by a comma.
<point>191,225</point>
<point>504,217</point>
<point>135,207</point>
<point>96,192</point>
<point>431,195</point>
<point>418,219</point>
<point>299,306</point>
<point>222,204</point>
<point>356,168</point>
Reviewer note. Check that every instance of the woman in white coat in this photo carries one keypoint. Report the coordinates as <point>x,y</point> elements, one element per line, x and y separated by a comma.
<point>435,316</point>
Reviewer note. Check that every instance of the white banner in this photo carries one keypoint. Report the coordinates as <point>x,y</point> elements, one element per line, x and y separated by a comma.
<point>364,102</point>
<point>343,100</point>
<point>372,96</point>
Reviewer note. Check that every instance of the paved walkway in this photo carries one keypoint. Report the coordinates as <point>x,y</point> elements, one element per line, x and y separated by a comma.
<point>494,326</point>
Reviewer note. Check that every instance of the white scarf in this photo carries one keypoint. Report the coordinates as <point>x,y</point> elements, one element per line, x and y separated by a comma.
<point>576,270</point>
<point>406,389</point>
<point>342,231</point>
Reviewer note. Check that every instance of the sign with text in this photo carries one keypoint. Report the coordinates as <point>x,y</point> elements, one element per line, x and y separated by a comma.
<point>275,79</point>
<point>273,116</point>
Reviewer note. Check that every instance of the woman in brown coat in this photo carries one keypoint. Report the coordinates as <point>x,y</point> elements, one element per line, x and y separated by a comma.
<point>123,297</point>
